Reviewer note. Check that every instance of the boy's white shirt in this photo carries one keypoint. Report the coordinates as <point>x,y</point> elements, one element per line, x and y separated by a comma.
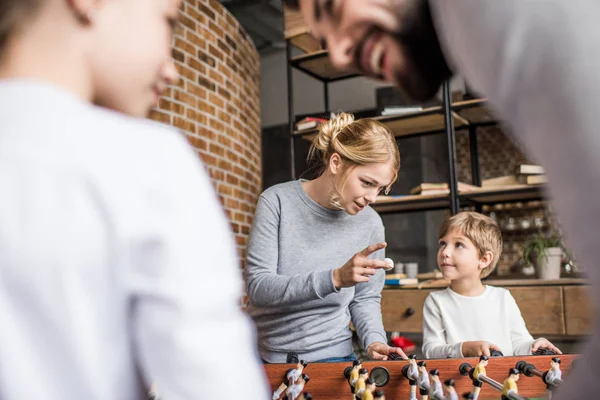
<point>449,319</point>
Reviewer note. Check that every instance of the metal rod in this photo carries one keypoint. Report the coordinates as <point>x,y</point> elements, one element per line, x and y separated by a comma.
<point>326,96</point>
<point>475,167</point>
<point>450,134</point>
<point>290,95</point>
<point>466,368</point>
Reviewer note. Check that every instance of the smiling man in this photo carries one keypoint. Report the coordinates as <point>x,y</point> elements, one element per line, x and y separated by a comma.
<point>536,61</point>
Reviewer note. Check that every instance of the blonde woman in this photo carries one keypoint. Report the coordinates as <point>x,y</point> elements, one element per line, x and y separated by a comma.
<point>316,250</point>
<point>109,227</point>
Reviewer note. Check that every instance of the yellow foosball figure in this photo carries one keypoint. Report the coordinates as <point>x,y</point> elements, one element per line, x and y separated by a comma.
<point>479,371</point>
<point>510,384</point>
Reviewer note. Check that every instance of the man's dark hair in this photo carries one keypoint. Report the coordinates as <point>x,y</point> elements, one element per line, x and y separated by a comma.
<point>293,4</point>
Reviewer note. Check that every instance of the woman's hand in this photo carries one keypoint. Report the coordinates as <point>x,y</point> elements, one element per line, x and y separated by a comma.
<point>381,351</point>
<point>359,268</point>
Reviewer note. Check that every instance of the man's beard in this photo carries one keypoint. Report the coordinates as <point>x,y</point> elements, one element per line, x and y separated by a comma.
<point>426,68</point>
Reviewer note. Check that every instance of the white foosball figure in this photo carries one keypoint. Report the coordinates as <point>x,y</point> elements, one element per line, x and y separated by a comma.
<point>437,391</point>
<point>413,375</point>
<point>293,391</point>
<point>553,376</point>
<point>279,391</point>
<point>293,374</point>
<point>423,380</point>
<point>450,391</point>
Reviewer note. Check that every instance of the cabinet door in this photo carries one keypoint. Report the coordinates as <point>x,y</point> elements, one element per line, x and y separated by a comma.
<point>578,310</point>
<point>402,310</point>
<point>541,308</point>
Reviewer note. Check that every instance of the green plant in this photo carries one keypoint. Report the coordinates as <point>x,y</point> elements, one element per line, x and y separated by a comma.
<point>537,244</point>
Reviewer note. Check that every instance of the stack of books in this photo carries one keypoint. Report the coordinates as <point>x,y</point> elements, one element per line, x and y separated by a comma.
<point>526,174</point>
<point>441,188</point>
<point>309,123</point>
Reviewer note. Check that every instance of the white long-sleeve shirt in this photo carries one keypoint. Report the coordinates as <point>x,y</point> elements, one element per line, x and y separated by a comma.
<point>449,319</point>
<point>117,268</point>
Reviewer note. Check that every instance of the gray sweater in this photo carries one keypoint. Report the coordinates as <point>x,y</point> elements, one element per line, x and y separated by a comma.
<point>295,244</point>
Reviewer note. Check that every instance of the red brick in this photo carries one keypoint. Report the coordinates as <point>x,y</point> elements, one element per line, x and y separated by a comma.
<point>197,90</point>
<point>197,142</point>
<point>168,105</point>
<point>184,97</point>
<point>195,116</point>
<point>160,116</point>
<point>184,124</point>
<point>185,46</point>
<point>216,149</point>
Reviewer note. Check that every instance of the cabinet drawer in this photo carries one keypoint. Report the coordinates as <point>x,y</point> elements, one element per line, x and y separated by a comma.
<point>542,309</point>
<point>402,310</point>
<point>578,310</point>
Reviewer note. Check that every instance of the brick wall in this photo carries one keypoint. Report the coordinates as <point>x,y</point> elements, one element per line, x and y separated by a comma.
<point>216,104</point>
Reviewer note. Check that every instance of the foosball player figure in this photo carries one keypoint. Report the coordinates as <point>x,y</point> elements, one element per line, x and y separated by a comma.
<point>153,392</point>
<point>278,391</point>
<point>450,391</point>
<point>367,392</point>
<point>423,380</point>
<point>363,375</point>
<point>293,374</point>
<point>356,366</point>
<point>510,384</point>
<point>436,391</point>
<point>468,396</point>
<point>293,391</point>
<point>412,375</point>
<point>378,395</point>
<point>305,396</point>
<point>479,370</point>
<point>553,374</point>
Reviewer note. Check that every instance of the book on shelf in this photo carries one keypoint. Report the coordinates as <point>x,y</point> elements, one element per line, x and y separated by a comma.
<point>401,281</point>
<point>512,180</point>
<point>399,110</point>
<point>530,169</point>
<point>309,123</point>
<point>443,187</point>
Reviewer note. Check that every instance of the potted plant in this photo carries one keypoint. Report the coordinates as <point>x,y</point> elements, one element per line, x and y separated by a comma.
<point>545,252</point>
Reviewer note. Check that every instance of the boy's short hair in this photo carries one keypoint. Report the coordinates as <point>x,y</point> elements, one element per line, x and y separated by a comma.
<point>481,230</point>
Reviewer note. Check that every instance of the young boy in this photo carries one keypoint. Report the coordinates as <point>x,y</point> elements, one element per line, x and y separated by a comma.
<point>469,318</point>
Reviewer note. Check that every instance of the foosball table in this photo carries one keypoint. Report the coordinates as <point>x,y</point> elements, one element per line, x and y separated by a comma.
<point>516,378</point>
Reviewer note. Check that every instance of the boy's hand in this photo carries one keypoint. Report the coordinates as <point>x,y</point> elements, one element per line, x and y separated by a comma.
<point>478,348</point>
<point>541,342</point>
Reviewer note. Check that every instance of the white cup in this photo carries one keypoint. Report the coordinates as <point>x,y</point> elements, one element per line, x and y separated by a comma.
<point>411,269</point>
<point>399,268</point>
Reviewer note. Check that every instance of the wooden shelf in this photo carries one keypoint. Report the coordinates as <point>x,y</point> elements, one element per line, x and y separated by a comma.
<point>317,65</point>
<point>503,195</point>
<point>413,203</point>
<point>475,112</point>
<point>442,201</point>
<point>429,120</point>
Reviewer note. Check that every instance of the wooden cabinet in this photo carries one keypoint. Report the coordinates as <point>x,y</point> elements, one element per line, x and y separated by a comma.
<point>541,308</point>
<point>554,310</point>
<point>578,310</point>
